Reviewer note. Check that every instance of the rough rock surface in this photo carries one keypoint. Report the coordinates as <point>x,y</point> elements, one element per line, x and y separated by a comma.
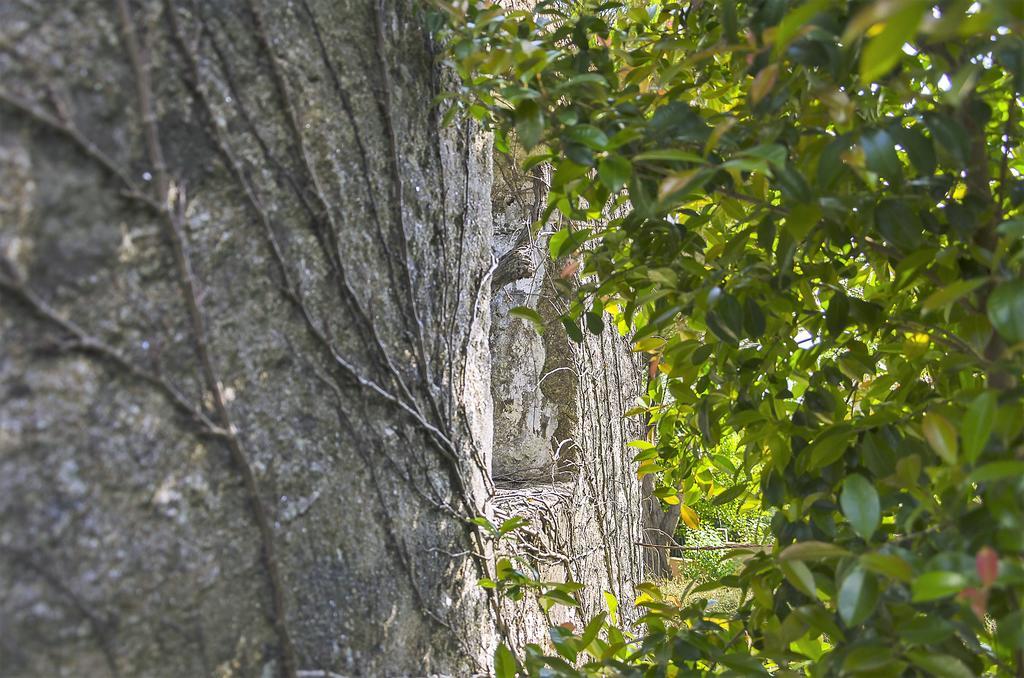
<point>560,455</point>
<point>243,331</point>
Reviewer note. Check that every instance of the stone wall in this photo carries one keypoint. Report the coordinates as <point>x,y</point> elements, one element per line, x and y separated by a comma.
<point>560,455</point>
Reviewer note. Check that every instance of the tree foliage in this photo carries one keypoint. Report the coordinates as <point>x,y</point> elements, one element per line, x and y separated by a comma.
<point>820,248</point>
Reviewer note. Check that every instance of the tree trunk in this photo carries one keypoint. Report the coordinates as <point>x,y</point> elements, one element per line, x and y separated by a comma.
<point>244,324</point>
<point>244,343</point>
<point>660,523</point>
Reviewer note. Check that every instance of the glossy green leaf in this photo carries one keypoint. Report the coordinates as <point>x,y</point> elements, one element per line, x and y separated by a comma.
<point>670,155</point>
<point>800,576</point>
<point>997,470</point>
<point>572,329</point>
<point>880,154</point>
<point>529,122</point>
<point>976,427</point>
<point>588,135</point>
<point>949,135</point>
<point>884,50</point>
<point>828,448</point>
<point>937,584</point>
<point>527,313</point>
<point>887,564</point>
<point>728,495</point>
<point>858,596</point>
<point>505,663</point>
<point>812,550</point>
<point>726,319</point>
<point>940,665</point>
<point>594,322</point>
<point>614,171</point>
<point>918,147</point>
<point>949,294</point>
<point>1010,630</point>
<point>926,629</point>
<point>860,504</point>
<point>868,660</point>
<point>941,435</point>
<point>1006,310</point>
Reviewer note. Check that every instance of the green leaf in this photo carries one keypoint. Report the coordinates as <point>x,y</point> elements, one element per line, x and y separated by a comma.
<point>670,154</point>
<point>949,294</point>
<point>753,319</point>
<point>566,241</point>
<point>997,470</point>
<point>829,447</point>
<point>802,219</point>
<point>677,186</point>
<point>592,628</point>
<point>837,314</point>
<point>936,584</point>
<point>728,495</point>
<point>728,17</point>
<point>948,135</point>
<point>614,171</point>
<point>800,576</point>
<point>860,504</point>
<point>858,596</point>
<point>529,122</point>
<point>1006,310</point>
<point>795,21</point>
<point>572,329</point>
<point>1013,228</point>
<point>1011,630</point>
<point>941,435</point>
<point>527,313</point>
<point>511,524</point>
<point>926,630</point>
<point>726,319</point>
<point>581,79</point>
<point>940,665</point>
<point>898,223</point>
<point>830,164</point>
<point>774,154</point>
<point>868,660</point>
<point>918,147</point>
<point>535,160</point>
<point>648,345</point>
<point>505,663</point>
<point>764,82</point>
<point>888,564</point>
<point>812,550</point>
<point>612,603</point>
<point>589,136</point>
<point>746,664</point>
<point>976,427</point>
<point>884,50</point>
<point>880,154</point>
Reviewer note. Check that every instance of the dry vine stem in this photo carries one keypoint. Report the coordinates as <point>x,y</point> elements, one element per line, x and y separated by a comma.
<point>171,216</point>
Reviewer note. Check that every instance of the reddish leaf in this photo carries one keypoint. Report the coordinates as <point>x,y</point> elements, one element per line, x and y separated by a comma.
<point>652,367</point>
<point>977,599</point>
<point>987,562</point>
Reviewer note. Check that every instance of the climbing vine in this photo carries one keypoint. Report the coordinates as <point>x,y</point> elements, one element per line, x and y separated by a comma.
<point>821,252</point>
